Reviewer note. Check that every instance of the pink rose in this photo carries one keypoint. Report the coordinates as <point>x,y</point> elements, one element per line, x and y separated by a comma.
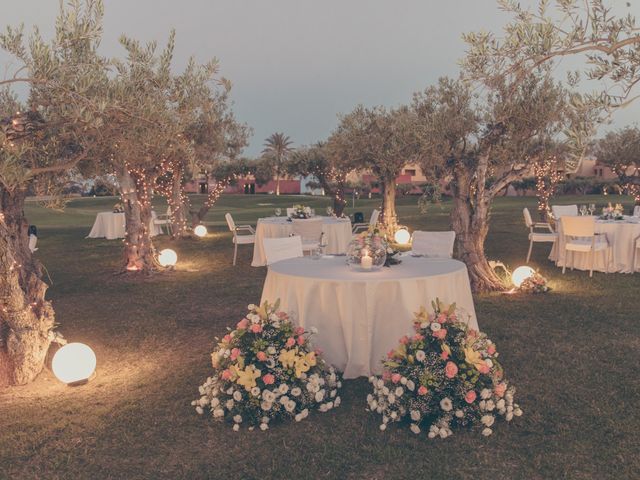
<point>301,340</point>
<point>442,318</point>
<point>235,353</point>
<point>290,342</point>
<point>268,379</point>
<point>281,315</point>
<point>226,338</point>
<point>390,354</point>
<point>483,368</point>
<point>440,334</point>
<point>491,349</point>
<point>386,375</point>
<point>472,333</point>
<point>444,355</point>
<point>256,328</point>
<point>422,390</point>
<point>500,389</point>
<point>470,397</point>
<point>242,324</point>
<point>226,374</point>
<point>299,330</point>
<point>418,337</point>
<point>395,378</point>
<point>404,340</point>
<point>262,356</point>
<point>450,369</point>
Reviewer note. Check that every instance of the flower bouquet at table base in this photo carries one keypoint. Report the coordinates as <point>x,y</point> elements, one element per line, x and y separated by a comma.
<point>444,377</point>
<point>534,284</point>
<point>265,369</point>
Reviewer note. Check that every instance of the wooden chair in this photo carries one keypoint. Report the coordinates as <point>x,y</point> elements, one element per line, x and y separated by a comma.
<point>244,239</point>
<point>581,237</point>
<point>543,237</point>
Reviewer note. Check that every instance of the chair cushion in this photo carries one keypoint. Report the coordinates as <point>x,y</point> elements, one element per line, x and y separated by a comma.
<point>244,239</point>
<point>543,237</point>
<point>584,244</point>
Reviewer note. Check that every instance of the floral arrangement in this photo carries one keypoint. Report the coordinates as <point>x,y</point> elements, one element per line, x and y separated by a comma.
<point>613,213</point>
<point>118,208</point>
<point>301,212</point>
<point>265,369</point>
<point>536,283</point>
<point>368,250</point>
<point>443,377</point>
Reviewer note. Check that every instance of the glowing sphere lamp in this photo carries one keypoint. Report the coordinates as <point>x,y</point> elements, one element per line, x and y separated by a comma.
<point>167,257</point>
<point>74,364</point>
<point>520,274</point>
<point>200,231</point>
<point>402,236</point>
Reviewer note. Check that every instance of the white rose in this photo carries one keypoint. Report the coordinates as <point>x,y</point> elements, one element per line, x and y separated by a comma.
<point>490,405</point>
<point>237,419</point>
<point>237,396</point>
<point>459,413</point>
<point>298,417</point>
<point>268,396</point>
<point>255,391</point>
<point>230,403</point>
<point>486,432</point>
<point>337,401</point>
<point>399,391</point>
<point>501,404</point>
<point>415,415</point>
<point>283,399</point>
<point>199,410</point>
<point>266,406</point>
<point>489,363</point>
<point>271,350</point>
<point>424,324</point>
<point>251,306</point>
<point>373,405</point>
<point>283,388</point>
<point>435,326</point>
<point>509,416</point>
<point>391,399</point>
<point>218,412</point>
<point>403,380</point>
<point>410,385</point>
<point>263,426</point>
<point>290,406</point>
<point>319,396</point>
<point>517,412</point>
<point>444,433</point>
<point>333,393</point>
<point>394,415</point>
<point>295,391</point>
<point>485,393</point>
<point>383,426</point>
<point>236,427</point>
<point>385,390</point>
<point>420,356</point>
<point>446,404</point>
<point>229,390</point>
<point>487,420</point>
<point>432,434</point>
<point>415,428</point>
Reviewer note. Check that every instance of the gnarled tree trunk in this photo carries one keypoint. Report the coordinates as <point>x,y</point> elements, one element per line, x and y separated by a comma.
<point>26,317</point>
<point>179,205</point>
<point>470,221</point>
<point>139,253</point>
<point>389,217</point>
<point>212,197</point>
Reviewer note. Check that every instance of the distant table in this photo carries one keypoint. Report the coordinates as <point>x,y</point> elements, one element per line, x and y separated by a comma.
<point>360,316</point>
<point>111,225</point>
<point>621,235</point>
<point>337,233</point>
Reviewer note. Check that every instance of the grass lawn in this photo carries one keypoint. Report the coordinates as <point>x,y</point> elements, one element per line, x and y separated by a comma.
<point>573,354</point>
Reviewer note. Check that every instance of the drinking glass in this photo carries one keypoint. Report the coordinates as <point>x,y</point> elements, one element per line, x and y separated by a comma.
<point>278,212</point>
<point>592,208</point>
<point>583,210</point>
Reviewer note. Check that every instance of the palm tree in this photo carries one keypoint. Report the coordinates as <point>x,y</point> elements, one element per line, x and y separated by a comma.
<point>278,145</point>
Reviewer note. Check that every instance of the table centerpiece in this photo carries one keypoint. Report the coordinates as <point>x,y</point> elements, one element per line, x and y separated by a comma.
<point>612,213</point>
<point>300,212</point>
<point>368,251</point>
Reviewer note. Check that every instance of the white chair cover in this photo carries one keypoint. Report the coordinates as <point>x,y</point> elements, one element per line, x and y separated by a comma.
<point>636,211</point>
<point>564,211</point>
<point>230,223</point>
<point>33,240</point>
<point>433,244</point>
<point>277,249</point>
<point>527,217</point>
<point>374,217</point>
<point>310,230</point>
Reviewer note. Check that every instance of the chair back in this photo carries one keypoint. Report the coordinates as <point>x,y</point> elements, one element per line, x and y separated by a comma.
<point>579,226</point>
<point>277,249</point>
<point>527,217</point>
<point>560,211</point>
<point>290,211</point>
<point>636,211</point>
<point>358,217</point>
<point>310,229</point>
<point>374,217</point>
<point>230,222</point>
<point>433,244</point>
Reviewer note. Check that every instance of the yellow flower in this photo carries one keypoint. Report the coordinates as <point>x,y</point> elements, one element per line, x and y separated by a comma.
<point>473,357</point>
<point>247,377</point>
<point>422,315</point>
<point>445,348</point>
<point>288,357</point>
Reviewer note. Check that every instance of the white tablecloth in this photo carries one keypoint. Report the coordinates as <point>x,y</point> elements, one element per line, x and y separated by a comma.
<point>337,233</point>
<point>111,225</point>
<point>360,316</point>
<point>621,235</point>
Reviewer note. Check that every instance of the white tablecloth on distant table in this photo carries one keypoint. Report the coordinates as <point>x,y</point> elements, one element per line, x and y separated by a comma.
<point>337,233</point>
<point>621,235</point>
<point>360,316</point>
<point>111,225</point>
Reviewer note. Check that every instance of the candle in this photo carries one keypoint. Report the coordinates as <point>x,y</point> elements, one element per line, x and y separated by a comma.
<point>366,261</point>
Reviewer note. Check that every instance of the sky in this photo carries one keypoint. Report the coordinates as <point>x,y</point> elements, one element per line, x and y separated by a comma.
<point>295,65</point>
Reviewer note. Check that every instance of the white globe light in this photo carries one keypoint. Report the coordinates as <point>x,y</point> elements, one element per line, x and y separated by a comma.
<point>402,236</point>
<point>520,274</point>
<point>167,257</point>
<point>200,231</point>
<point>74,363</point>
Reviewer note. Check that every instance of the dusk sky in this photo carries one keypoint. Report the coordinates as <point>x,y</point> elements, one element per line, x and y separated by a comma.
<point>296,64</point>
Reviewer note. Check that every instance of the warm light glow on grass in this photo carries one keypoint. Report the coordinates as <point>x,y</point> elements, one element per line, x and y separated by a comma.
<point>74,363</point>
<point>167,257</point>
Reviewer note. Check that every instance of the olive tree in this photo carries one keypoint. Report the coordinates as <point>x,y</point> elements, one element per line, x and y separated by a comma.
<point>620,151</point>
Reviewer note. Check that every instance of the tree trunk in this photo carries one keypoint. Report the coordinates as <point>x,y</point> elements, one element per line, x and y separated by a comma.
<point>212,197</point>
<point>339,201</point>
<point>26,318</point>
<point>470,221</point>
<point>178,204</point>
<point>389,217</point>
<point>139,253</point>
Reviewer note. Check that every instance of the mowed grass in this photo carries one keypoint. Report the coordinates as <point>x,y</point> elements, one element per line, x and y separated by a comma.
<point>574,355</point>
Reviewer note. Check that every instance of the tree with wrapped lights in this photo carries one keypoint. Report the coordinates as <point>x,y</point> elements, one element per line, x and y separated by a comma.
<point>620,151</point>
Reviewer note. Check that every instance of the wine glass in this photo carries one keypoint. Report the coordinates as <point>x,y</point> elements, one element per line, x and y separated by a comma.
<point>592,208</point>
<point>278,212</point>
<point>583,210</point>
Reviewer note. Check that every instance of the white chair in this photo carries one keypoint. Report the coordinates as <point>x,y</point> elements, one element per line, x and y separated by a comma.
<point>33,240</point>
<point>244,239</point>
<point>636,247</point>
<point>581,237</point>
<point>277,249</point>
<point>310,231</point>
<point>164,220</point>
<point>636,211</point>
<point>550,236</point>
<point>433,244</point>
<point>560,211</point>
<point>373,220</point>
<point>290,211</point>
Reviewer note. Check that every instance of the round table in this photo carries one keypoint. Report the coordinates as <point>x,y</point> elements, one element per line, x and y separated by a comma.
<point>360,316</point>
<point>621,235</point>
<point>337,233</point>
<point>111,225</point>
